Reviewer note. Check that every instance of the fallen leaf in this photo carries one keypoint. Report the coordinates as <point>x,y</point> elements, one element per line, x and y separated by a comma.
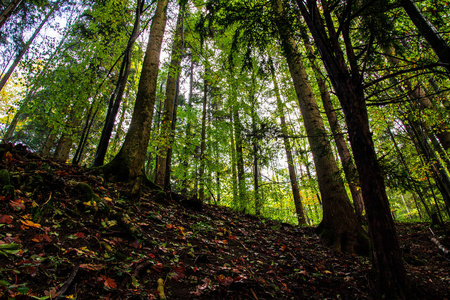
<point>80,235</point>
<point>5,219</point>
<point>109,282</point>
<point>91,267</point>
<point>17,204</point>
<point>28,223</point>
<point>224,281</point>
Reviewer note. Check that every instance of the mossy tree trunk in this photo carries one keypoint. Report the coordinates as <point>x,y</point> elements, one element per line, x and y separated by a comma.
<point>128,164</point>
<point>167,130</point>
<point>391,279</point>
<point>288,148</point>
<point>339,227</point>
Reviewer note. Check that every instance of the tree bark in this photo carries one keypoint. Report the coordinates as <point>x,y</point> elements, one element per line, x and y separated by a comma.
<point>7,12</point>
<point>391,278</point>
<point>128,164</point>
<point>27,46</point>
<point>188,135</point>
<point>429,32</point>
<point>242,203</point>
<point>166,132</point>
<point>201,191</point>
<point>290,161</point>
<point>339,227</point>
<point>116,97</point>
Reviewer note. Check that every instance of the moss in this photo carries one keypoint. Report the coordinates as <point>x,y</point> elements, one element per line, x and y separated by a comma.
<point>4,178</point>
<point>8,190</point>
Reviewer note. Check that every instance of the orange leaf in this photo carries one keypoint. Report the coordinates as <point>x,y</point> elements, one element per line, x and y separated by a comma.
<point>91,267</point>
<point>80,235</point>
<point>4,219</point>
<point>30,224</point>
<point>109,282</point>
<point>17,204</point>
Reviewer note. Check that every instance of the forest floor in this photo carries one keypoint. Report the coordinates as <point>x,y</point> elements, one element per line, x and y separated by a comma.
<point>58,243</point>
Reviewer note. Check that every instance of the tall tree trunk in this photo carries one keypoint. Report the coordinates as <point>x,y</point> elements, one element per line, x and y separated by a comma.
<point>27,46</point>
<point>339,227</point>
<point>427,30</point>
<point>128,164</point>
<point>166,132</point>
<point>20,114</point>
<point>255,139</point>
<point>290,161</point>
<point>234,179</point>
<point>116,97</point>
<point>7,12</point>
<point>242,203</point>
<point>201,192</point>
<point>391,278</point>
<point>351,175</point>
<point>186,149</point>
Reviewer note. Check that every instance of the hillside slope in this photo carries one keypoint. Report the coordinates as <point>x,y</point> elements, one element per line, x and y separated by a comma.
<point>58,240</point>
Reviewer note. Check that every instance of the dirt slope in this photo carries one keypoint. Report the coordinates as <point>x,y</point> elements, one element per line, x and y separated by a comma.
<point>59,241</point>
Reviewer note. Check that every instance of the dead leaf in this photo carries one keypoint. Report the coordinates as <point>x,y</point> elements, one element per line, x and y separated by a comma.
<point>5,219</point>
<point>80,235</point>
<point>109,282</point>
<point>225,281</point>
<point>17,204</point>
<point>28,223</point>
<point>52,293</point>
<point>91,267</point>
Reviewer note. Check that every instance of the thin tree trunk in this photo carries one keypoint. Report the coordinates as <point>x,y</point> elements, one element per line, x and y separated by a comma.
<point>7,12</point>
<point>287,146</point>
<point>427,30</point>
<point>116,97</point>
<point>239,160</point>
<point>128,164</point>
<point>186,151</point>
<point>201,192</point>
<point>166,133</point>
<point>233,162</point>
<point>27,46</point>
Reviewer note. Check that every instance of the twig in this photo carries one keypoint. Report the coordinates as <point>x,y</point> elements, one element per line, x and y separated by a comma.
<point>253,293</point>
<point>68,281</point>
<point>438,243</point>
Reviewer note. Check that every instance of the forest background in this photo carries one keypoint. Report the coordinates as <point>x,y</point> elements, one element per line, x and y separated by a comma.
<point>263,106</point>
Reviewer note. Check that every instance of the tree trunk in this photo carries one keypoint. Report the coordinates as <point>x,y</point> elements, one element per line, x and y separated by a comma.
<point>351,175</point>
<point>242,203</point>
<point>427,30</point>
<point>201,192</point>
<point>339,227</point>
<point>27,46</point>
<point>116,97</point>
<point>48,144</point>
<point>166,132</point>
<point>233,162</point>
<point>186,151</point>
<point>7,12</point>
<point>128,164</point>
<point>290,161</point>
<point>386,256</point>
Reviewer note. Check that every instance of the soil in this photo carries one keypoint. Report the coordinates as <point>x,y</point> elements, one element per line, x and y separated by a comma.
<point>55,243</point>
